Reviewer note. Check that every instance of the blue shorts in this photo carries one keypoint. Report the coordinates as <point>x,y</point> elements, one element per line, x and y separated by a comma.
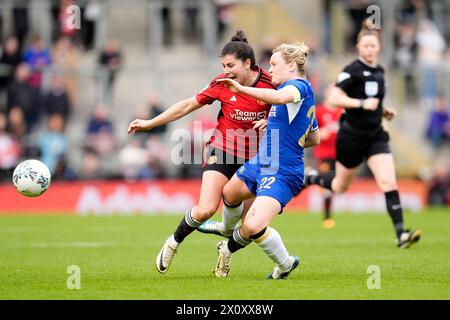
<point>280,187</point>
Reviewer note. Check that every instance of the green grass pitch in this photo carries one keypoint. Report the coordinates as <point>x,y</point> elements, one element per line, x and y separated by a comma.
<point>116,256</point>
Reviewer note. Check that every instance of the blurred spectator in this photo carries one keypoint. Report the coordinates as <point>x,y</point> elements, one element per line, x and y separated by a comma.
<point>23,96</point>
<point>9,60</point>
<point>90,168</point>
<point>151,109</point>
<point>91,16</point>
<point>100,122</point>
<point>63,170</point>
<point>53,143</point>
<point>110,61</point>
<point>415,10</point>
<point>439,186</point>
<point>37,58</point>
<point>224,9</point>
<point>133,161</point>
<point>157,155</point>
<point>405,56</point>
<point>190,29</point>
<point>438,129</point>
<point>54,12</point>
<point>20,20</point>
<point>431,47</point>
<point>16,123</point>
<point>100,134</point>
<point>65,61</point>
<point>166,16</point>
<point>56,100</point>
<point>10,150</point>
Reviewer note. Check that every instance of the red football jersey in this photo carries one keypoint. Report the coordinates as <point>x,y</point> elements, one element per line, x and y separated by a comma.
<point>328,119</point>
<point>234,132</point>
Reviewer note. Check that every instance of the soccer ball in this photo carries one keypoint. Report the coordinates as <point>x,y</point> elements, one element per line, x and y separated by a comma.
<point>31,178</point>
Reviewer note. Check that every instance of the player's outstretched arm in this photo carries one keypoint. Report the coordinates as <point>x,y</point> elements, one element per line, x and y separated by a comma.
<point>338,98</point>
<point>174,112</point>
<point>269,96</point>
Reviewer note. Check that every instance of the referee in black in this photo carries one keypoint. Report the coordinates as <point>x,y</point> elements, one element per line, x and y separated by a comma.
<point>360,89</point>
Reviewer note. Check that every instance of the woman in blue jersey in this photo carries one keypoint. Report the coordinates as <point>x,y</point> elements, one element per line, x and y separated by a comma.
<point>276,174</point>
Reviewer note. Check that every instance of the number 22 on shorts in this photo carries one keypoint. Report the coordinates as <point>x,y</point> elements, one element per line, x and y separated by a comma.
<point>266,182</point>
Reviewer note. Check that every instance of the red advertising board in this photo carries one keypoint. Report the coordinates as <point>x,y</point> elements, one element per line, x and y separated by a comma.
<point>176,196</point>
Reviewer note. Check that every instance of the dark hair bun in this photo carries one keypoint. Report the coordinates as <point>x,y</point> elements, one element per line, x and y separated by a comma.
<point>239,47</point>
<point>239,36</point>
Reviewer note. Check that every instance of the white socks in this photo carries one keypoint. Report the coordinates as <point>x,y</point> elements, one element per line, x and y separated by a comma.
<point>230,218</point>
<point>172,242</point>
<point>273,246</point>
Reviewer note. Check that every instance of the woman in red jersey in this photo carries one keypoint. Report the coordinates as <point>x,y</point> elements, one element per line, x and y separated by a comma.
<point>233,142</point>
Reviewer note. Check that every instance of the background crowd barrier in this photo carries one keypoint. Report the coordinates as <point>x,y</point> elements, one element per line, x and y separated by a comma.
<point>176,196</point>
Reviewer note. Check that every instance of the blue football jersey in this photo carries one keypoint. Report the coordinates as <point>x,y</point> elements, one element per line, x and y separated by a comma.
<point>281,150</point>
